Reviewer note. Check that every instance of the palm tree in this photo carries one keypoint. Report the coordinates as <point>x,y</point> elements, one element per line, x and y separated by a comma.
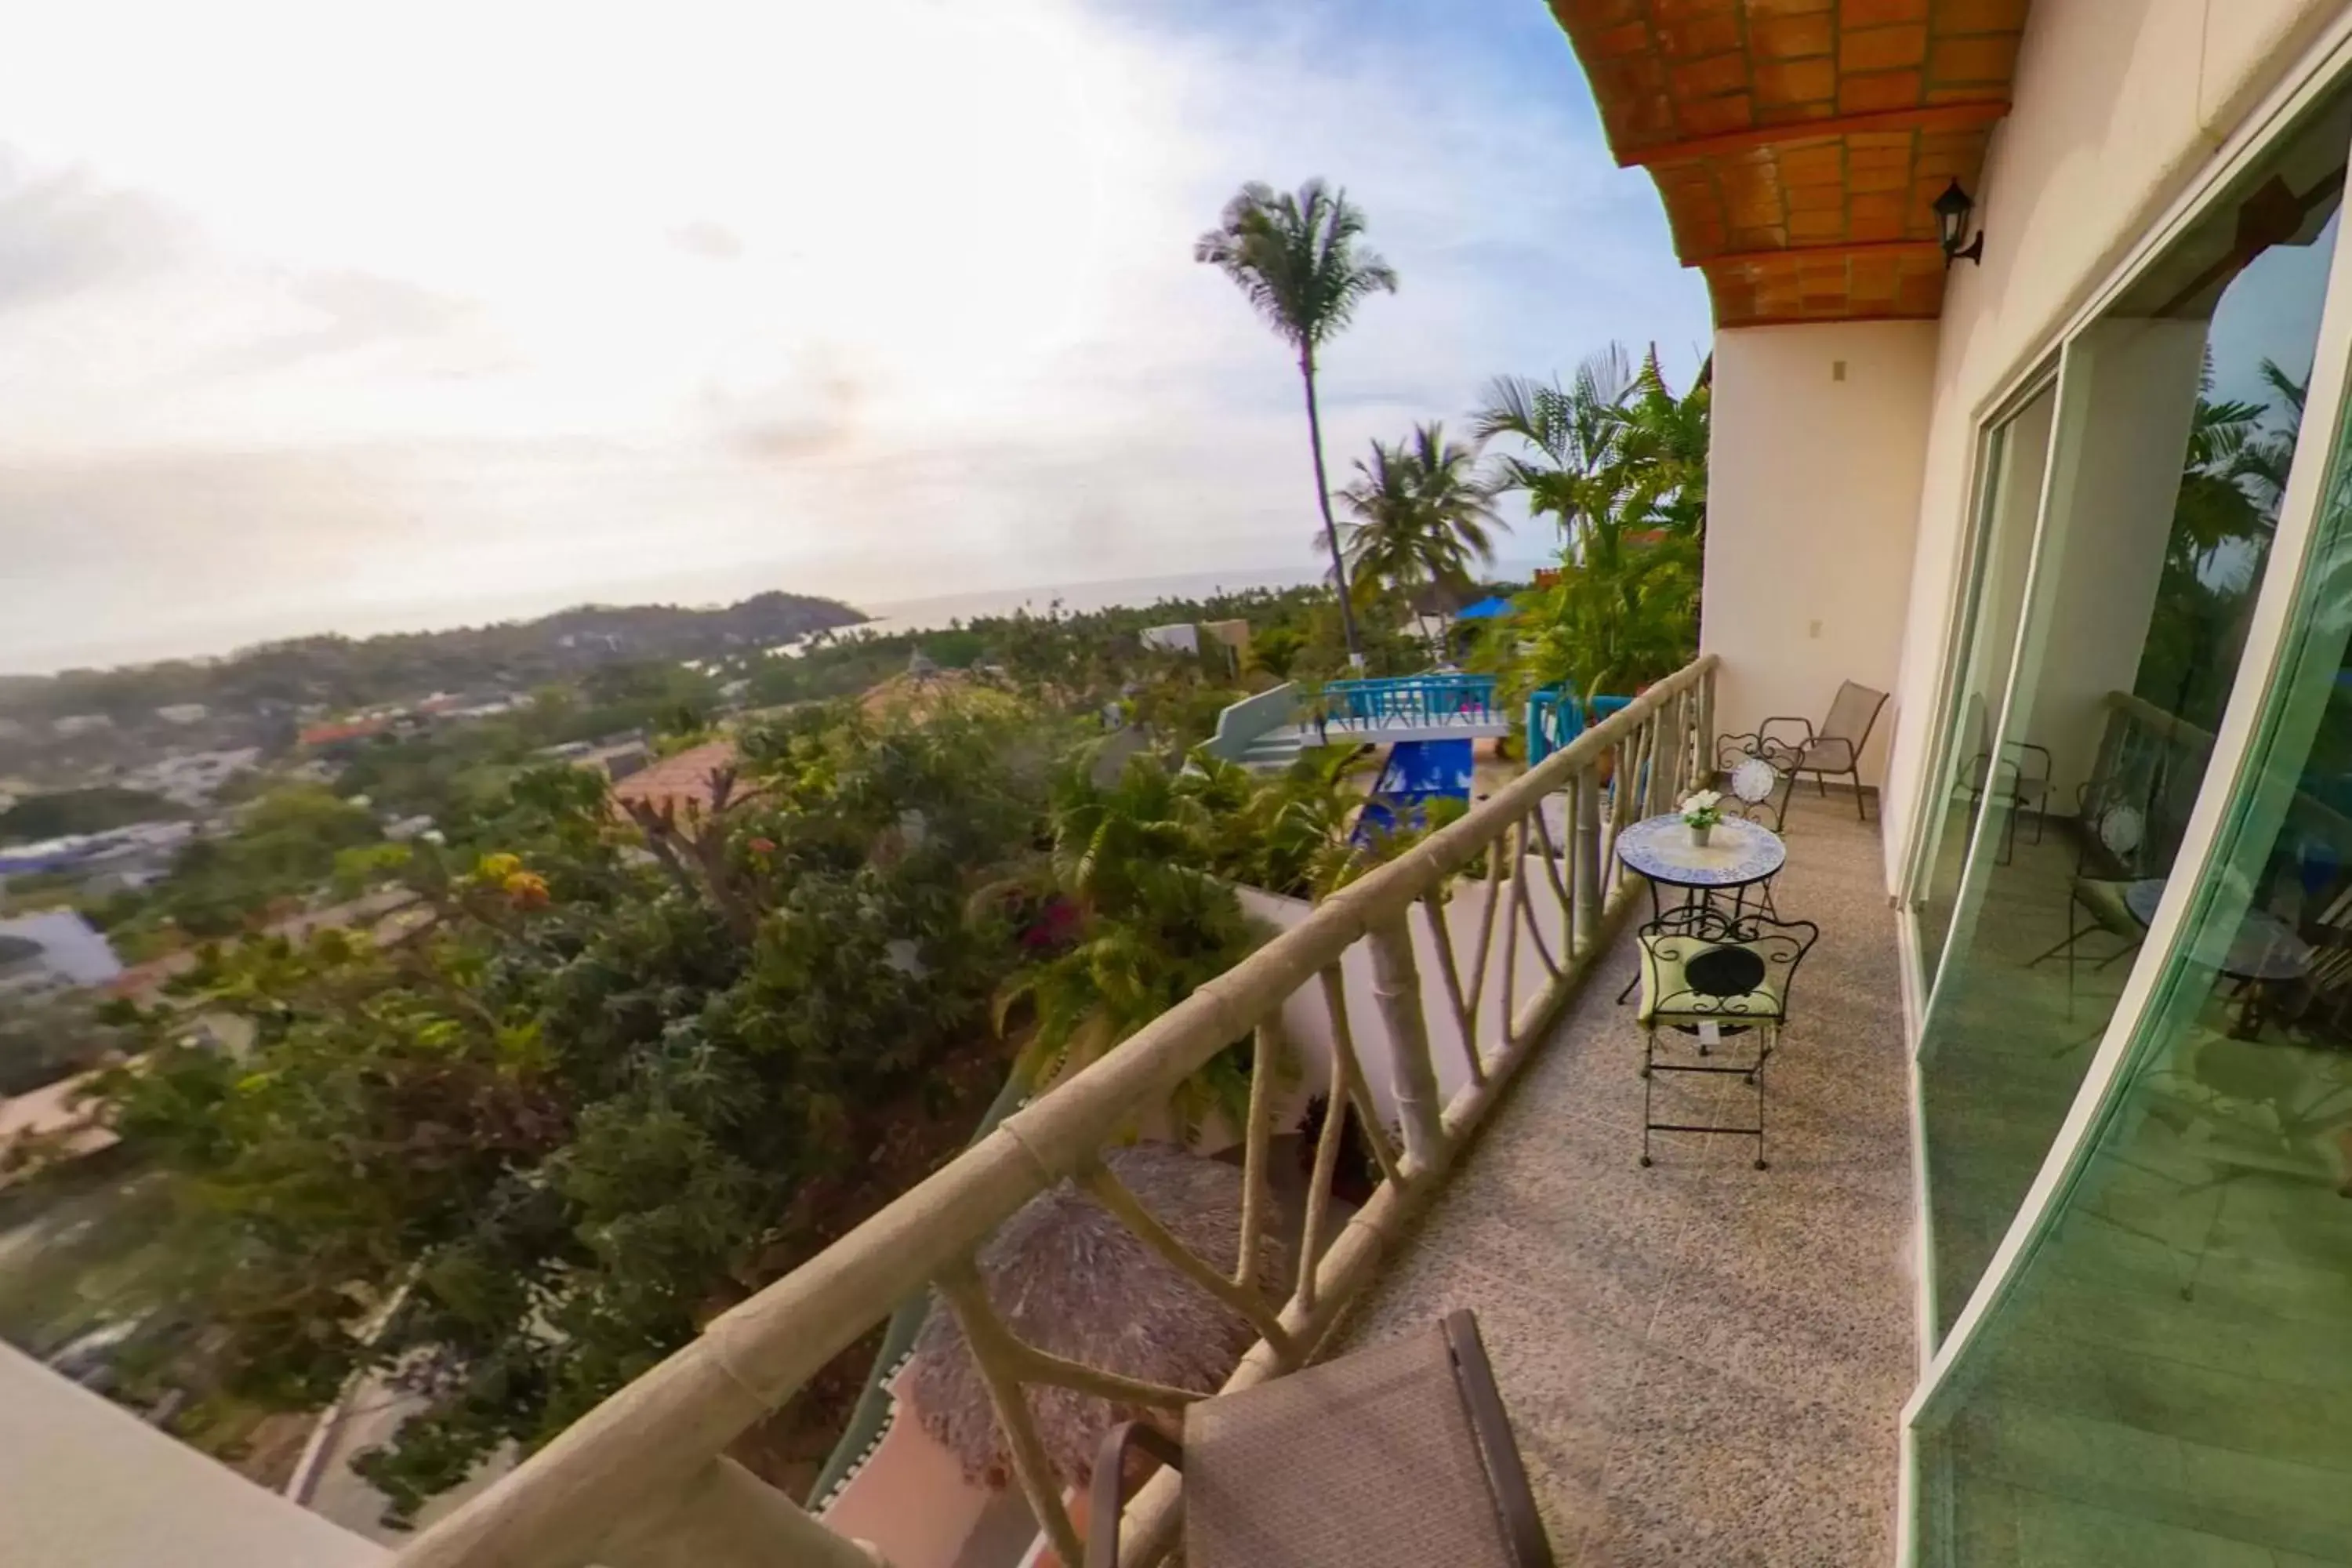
<point>1619,459</point>
<point>1423,514</point>
<point>2268,455</point>
<point>2225,446</point>
<point>1613,432</point>
<point>1297,259</point>
<point>1661,440</point>
<point>1621,610</point>
<point>1571,432</point>
<point>2232,478</point>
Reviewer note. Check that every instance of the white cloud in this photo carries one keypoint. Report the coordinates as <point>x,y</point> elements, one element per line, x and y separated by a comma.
<point>497,306</point>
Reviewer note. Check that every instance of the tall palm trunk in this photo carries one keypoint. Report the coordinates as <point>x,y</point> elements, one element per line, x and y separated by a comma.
<point>1323,500</point>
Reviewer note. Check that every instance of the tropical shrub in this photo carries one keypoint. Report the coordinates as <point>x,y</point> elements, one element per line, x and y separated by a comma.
<point>631,1072</point>
<point>1617,461</point>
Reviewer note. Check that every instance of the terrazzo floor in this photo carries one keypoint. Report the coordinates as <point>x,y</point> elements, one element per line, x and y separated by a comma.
<point>1704,1363</point>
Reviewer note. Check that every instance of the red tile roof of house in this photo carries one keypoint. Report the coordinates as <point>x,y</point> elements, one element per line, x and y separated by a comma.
<point>684,779</point>
<point>343,730</point>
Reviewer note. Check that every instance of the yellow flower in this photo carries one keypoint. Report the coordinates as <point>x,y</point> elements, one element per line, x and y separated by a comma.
<point>527,889</point>
<point>497,868</point>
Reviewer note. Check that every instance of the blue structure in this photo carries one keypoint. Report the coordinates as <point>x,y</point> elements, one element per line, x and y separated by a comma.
<point>1424,770</point>
<point>1273,728</point>
<point>1556,717</point>
<point>1412,701</point>
<point>1489,609</point>
<point>1417,772</point>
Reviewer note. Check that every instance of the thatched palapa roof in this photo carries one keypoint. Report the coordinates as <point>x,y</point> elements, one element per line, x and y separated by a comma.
<point>1067,1276</point>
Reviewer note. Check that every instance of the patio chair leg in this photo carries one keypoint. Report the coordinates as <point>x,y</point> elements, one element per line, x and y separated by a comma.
<point>2070,977</point>
<point>2071,1047</point>
<point>1771,1033</point>
<point>2065,947</point>
<point>1859,812</point>
<point>1649,1050</point>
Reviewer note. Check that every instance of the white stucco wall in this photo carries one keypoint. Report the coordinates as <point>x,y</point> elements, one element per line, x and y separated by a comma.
<point>1307,1024</point>
<point>85,1484</point>
<point>2119,105</point>
<point>2115,479</point>
<point>910,1499</point>
<point>1813,475</point>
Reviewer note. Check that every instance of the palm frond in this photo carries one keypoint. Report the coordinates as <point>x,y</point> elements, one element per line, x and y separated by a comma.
<point>1295,257</point>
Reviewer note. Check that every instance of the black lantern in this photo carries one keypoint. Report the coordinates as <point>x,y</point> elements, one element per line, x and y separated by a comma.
<point>1952,209</point>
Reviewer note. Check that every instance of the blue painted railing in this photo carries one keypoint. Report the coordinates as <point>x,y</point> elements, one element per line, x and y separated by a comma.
<point>1556,717</point>
<point>1412,701</point>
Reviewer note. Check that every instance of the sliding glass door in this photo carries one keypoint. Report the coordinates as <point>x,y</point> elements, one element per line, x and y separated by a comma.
<point>2143,1236</point>
<point>2176,417</point>
<point>2007,500</point>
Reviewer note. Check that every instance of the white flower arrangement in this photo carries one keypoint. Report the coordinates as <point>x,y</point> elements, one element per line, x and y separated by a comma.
<point>1703,809</point>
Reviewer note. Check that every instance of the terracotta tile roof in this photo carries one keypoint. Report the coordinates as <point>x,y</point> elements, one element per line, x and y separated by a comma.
<point>54,1113</point>
<point>389,915</point>
<point>1798,144</point>
<point>684,779</point>
<point>343,730</point>
<point>917,696</point>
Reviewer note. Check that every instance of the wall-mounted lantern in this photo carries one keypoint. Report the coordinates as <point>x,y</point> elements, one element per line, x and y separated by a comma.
<point>1952,209</point>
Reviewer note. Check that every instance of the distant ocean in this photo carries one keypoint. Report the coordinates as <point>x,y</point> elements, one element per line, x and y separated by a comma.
<point>928,615</point>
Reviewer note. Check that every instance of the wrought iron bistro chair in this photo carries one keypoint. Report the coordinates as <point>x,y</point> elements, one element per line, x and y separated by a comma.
<point>1398,1456</point>
<point>1759,792</point>
<point>2321,1005</point>
<point>2022,779</point>
<point>1759,774</point>
<point>1835,750</point>
<point>1707,974</point>
<point>2098,904</point>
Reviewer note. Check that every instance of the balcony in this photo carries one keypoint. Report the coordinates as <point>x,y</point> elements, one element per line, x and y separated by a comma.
<point>1693,1355</point>
<point>1704,1363</point>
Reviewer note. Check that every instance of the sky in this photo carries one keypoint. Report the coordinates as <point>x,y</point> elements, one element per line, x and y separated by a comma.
<point>316,317</point>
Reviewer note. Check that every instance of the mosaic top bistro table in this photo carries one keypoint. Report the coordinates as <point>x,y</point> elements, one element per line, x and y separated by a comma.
<point>2263,949</point>
<point>1739,855</point>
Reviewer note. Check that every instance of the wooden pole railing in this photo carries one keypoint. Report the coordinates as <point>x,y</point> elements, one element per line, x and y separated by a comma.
<point>2130,717</point>
<point>643,1480</point>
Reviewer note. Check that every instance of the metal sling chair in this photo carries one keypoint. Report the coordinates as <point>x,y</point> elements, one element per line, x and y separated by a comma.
<point>1834,751</point>
<point>1395,1457</point>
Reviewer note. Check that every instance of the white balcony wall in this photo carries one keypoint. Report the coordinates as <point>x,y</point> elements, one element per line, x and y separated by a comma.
<point>2130,397</point>
<point>1814,476</point>
<point>2118,107</point>
<point>1308,1023</point>
<point>86,1484</point>
<point>910,1500</point>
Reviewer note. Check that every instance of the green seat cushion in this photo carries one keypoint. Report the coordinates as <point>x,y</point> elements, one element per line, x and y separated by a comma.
<point>2106,901</point>
<point>1667,990</point>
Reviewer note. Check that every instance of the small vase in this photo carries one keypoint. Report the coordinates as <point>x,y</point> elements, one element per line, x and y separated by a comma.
<point>1698,836</point>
